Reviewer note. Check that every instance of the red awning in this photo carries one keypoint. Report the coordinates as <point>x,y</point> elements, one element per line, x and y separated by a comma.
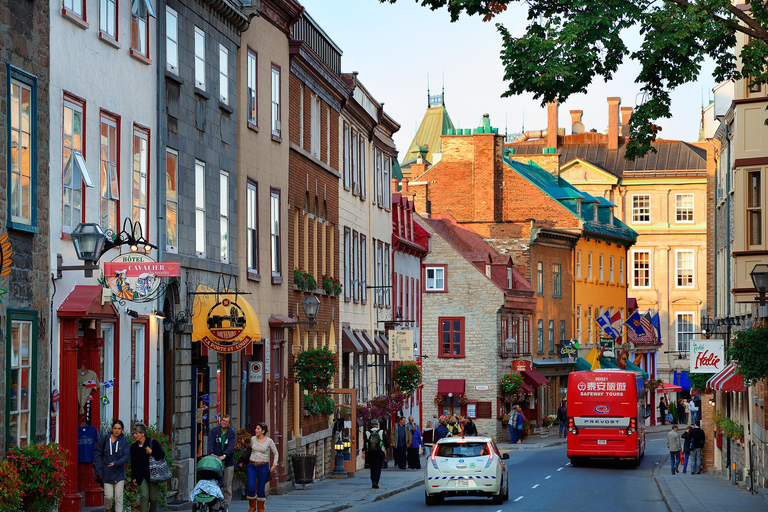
<point>631,304</point>
<point>281,321</point>
<point>455,386</point>
<point>84,301</point>
<point>666,387</point>
<point>535,378</point>
<point>527,389</point>
<point>727,379</point>
<point>351,343</point>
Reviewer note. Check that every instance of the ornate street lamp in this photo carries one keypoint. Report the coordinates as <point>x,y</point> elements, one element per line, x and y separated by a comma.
<point>347,453</point>
<point>89,240</point>
<point>338,470</point>
<point>759,277</point>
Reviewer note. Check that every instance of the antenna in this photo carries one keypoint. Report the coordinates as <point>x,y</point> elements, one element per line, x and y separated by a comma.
<point>523,127</point>
<point>428,96</point>
<point>443,93</point>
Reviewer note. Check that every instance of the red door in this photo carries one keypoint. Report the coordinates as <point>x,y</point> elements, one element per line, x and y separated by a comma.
<point>277,384</point>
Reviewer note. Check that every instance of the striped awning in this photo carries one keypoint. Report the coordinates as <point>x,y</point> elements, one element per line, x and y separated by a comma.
<point>727,379</point>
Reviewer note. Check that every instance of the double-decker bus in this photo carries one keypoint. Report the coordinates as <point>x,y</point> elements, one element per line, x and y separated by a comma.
<point>606,416</point>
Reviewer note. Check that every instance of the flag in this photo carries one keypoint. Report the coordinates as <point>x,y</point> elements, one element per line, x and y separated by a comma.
<point>634,323</point>
<point>592,358</point>
<point>575,343</point>
<point>89,384</point>
<point>108,384</point>
<point>604,321</point>
<point>657,325</point>
<point>105,400</point>
<point>616,324</point>
<point>647,323</point>
<point>205,398</point>
<point>638,358</point>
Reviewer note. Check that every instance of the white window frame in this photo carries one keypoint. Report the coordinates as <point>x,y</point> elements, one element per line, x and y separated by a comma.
<point>139,209</point>
<point>76,6</point>
<point>589,265</point>
<point>679,268</point>
<point>610,269</point>
<point>76,186</point>
<point>109,196</point>
<point>275,101</point>
<point>252,227</point>
<point>621,270</point>
<point>171,40</point>
<point>578,323</point>
<point>683,211</point>
<point>347,269</point>
<point>590,320</point>
<point>683,337</point>
<point>600,267</point>
<point>172,202</point>
<point>223,74</point>
<point>138,338</point>
<point>224,215</point>
<point>275,219</point>
<point>578,264</point>
<point>435,282</point>
<point>200,220</point>
<point>18,364</point>
<point>314,125</point>
<point>199,58</point>
<point>639,212</point>
<point>388,276</point>
<point>108,18</point>
<point>635,270</point>
<point>252,98</point>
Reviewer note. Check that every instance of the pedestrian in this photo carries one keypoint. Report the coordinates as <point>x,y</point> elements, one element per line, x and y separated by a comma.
<point>454,427</point>
<point>662,410</point>
<point>673,445</point>
<point>697,444</point>
<point>435,422</point>
<point>259,468</point>
<point>400,438</point>
<point>697,402</point>
<point>562,418</point>
<point>686,441</point>
<point>442,430</point>
<point>144,448</point>
<point>512,424</point>
<point>470,429</point>
<point>693,411</point>
<point>376,442</point>
<point>416,447</point>
<point>680,411</point>
<point>221,443</point>
<point>109,465</point>
<point>520,422</point>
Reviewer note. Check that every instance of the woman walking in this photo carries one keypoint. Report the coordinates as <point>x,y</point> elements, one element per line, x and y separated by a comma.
<point>414,462</point>
<point>111,455</point>
<point>519,421</point>
<point>259,468</point>
<point>513,425</point>
<point>144,448</point>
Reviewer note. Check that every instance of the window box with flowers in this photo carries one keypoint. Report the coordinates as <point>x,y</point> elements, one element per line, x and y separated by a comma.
<point>304,281</point>
<point>381,407</point>
<point>331,285</point>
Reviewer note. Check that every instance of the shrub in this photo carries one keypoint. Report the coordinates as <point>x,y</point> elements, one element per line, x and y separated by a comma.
<point>750,350</point>
<point>407,376</point>
<point>10,488</point>
<point>699,381</point>
<point>315,369</point>
<point>40,469</point>
<point>511,383</point>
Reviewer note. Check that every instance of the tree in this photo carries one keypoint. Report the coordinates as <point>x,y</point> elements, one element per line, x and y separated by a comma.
<point>570,42</point>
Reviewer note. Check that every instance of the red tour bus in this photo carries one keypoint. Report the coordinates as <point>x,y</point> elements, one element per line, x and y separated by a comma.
<point>606,415</point>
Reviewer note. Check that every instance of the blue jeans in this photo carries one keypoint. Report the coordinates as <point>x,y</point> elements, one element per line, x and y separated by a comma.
<point>262,474</point>
<point>674,458</point>
<point>685,461</point>
<point>696,454</point>
<point>563,429</point>
<point>512,434</point>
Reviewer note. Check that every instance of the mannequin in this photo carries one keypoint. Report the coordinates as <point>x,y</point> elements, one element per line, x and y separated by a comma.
<point>84,375</point>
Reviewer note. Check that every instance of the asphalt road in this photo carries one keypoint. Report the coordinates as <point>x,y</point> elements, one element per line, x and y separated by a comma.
<point>543,479</point>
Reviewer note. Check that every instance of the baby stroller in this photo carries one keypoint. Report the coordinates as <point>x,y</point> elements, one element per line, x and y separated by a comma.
<point>207,495</point>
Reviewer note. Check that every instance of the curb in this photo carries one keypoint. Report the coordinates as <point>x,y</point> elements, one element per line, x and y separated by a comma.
<point>377,497</point>
<point>671,503</point>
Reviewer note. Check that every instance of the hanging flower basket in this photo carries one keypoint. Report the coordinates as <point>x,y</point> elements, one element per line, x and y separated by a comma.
<point>511,383</point>
<point>463,400</point>
<point>407,376</point>
<point>315,369</point>
<point>750,350</point>
<point>439,399</point>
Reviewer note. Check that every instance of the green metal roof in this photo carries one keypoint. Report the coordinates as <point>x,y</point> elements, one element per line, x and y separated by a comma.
<point>436,122</point>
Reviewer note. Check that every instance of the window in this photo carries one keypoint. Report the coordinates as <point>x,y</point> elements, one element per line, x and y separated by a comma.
<point>110,173</point>
<point>557,280</point>
<point>540,278</point>
<point>107,18</point>
<point>355,267</point>
<point>684,268</point>
<point>274,233</point>
<point>686,331</point>
<point>578,322</point>
<point>591,325</point>
<point>139,28</point>
<point>578,264</point>
<point>451,337</point>
<point>435,279</point>
<point>551,336</point>
<point>22,148</point>
<point>621,270</point>
<point>361,153</point>
<point>200,228</point>
<point>139,380</point>
<point>610,268</point>
<point>252,89</point>
<point>563,334</point>
<point>199,58</point>
<point>224,214</point>
<point>171,201</point>
<point>754,208</point>
<point>109,354</point>
<point>347,262</point>
<point>362,272</point>
<point>641,269</point>
<point>509,278</point>
<point>223,74</point>
<point>378,177</point>
<point>22,372</point>
<point>355,164</point>
<point>314,125</point>
<point>252,227</point>
<point>276,100</point>
<point>172,40</point>
<point>641,209</point>
<point>487,271</point>
<point>684,208</point>
<point>600,267</point>
<point>380,272</point>
<point>72,130</point>
<point>589,266</point>
<point>540,337</point>
<point>347,162</point>
<point>387,276</point>
<point>387,184</point>
<point>140,184</point>
<point>75,7</point>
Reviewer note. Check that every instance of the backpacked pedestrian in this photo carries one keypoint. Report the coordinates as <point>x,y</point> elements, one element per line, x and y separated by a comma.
<point>416,447</point>
<point>144,448</point>
<point>697,444</point>
<point>470,429</point>
<point>400,438</point>
<point>259,468</point>
<point>673,445</point>
<point>454,426</point>
<point>686,439</point>
<point>562,418</point>
<point>376,442</point>
<point>112,453</point>
<point>221,443</point>
<point>662,410</point>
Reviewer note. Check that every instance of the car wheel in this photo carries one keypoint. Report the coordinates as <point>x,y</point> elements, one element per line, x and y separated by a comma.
<point>498,499</point>
<point>506,491</point>
<point>430,500</point>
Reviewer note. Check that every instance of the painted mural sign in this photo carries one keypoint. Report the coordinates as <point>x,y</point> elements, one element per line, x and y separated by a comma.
<point>401,345</point>
<point>707,356</point>
<point>135,277</point>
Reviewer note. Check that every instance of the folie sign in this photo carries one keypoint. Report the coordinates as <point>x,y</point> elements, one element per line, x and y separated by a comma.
<point>707,356</point>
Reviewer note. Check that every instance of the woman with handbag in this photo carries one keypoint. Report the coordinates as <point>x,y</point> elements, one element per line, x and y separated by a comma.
<point>142,451</point>
<point>109,465</point>
<point>259,468</point>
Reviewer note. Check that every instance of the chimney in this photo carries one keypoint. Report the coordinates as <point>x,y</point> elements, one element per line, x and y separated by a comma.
<point>552,124</point>
<point>405,186</point>
<point>626,115</point>
<point>613,123</point>
<point>576,125</point>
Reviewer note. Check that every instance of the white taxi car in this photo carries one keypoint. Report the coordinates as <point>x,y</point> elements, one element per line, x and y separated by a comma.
<point>466,466</point>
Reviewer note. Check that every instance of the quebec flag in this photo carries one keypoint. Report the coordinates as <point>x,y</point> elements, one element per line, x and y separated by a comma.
<point>605,323</point>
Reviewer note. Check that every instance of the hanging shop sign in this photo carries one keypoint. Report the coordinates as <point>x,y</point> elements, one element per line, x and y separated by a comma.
<point>568,349</point>
<point>707,356</point>
<point>224,321</point>
<point>401,345</point>
<point>521,365</point>
<point>134,276</point>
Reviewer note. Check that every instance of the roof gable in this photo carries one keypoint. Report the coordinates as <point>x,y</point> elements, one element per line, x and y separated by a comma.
<point>436,123</point>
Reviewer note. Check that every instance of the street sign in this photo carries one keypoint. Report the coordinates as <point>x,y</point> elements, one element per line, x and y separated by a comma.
<point>482,387</point>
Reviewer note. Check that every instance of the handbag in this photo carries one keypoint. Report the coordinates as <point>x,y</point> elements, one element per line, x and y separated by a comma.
<point>245,457</point>
<point>159,470</point>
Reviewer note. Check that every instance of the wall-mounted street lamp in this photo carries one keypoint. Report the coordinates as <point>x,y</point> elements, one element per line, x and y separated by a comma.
<point>311,307</point>
<point>708,325</point>
<point>759,277</point>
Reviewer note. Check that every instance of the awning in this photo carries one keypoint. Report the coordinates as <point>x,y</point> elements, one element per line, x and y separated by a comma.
<point>666,387</point>
<point>632,367</point>
<point>683,381</point>
<point>727,379</point>
<point>535,378</point>
<point>455,386</point>
<point>526,389</point>
<point>366,339</point>
<point>606,362</point>
<point>351,343</point>
<point>84,301</point>
<point>224,322</point>
<point>631,304</point>
<point>383,342</point>
<point>281,321</point>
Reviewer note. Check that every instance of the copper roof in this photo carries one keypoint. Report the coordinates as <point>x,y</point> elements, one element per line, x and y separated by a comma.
<point>435,124</point>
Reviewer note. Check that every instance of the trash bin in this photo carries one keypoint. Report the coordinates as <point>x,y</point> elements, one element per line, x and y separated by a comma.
<point>303,468</point>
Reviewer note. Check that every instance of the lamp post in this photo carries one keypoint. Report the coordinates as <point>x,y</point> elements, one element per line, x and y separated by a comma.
<point>338,470</point>
<point>759,277</point>
<point>347,452</point>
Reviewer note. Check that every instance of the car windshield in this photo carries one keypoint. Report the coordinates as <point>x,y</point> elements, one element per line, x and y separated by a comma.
<point>470,449</point>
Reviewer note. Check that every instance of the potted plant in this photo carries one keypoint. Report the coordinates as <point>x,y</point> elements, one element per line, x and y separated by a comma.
<point>504,419</point>
<point>750,349</point>
<point>315,369</point>
<point>407,376</point>
<point>304,281</point>
<point>511,383</point>
<point>41,476</point>
<point>10,487</point>
<point>319,403</point>
<point>331,285</point>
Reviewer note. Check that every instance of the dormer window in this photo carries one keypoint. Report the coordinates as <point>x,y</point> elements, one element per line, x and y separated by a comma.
<point>487,271</point>
<point>578,207</point>
<point>509,277</point>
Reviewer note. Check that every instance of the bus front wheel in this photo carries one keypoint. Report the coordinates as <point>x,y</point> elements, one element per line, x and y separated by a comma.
<point>577,461</point>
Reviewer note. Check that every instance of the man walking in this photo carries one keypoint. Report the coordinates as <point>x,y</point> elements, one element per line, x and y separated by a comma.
<point>562,418</point>
<point>400,437</point>
<point>674,447</point>
<point>697,444</point>
<point>221,443</point>
<point>373,451</point>
<point>693,411</point>
<point>662,410</point>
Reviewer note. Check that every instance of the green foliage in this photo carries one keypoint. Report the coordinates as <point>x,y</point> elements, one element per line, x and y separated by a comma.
<point>10,488</point>
<point>729,428</point>
<point>243,443</point>
<point>315,369</point>
<point>331,285</point>
<point>699,381</point>
<point>568,45</point>
<point>319,403</point>
<point>407,376</point>
<point>304,281</point>
<point>131,493</point>
<point>40,470</point>
<point>511,383</point>
<point>749,349</point>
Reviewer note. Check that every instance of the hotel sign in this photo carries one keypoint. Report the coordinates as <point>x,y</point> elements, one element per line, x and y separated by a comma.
<point>134,276</point>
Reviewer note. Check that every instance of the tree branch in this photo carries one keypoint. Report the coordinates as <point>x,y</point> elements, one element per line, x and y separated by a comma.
<point>753,28</point>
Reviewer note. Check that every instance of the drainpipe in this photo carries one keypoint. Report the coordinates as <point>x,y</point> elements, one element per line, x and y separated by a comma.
<point>727,195</point>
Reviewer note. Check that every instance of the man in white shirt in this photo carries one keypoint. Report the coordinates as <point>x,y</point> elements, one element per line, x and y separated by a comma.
<point>693,411</point>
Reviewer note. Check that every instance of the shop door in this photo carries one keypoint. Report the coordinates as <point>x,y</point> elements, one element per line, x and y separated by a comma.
<point>277,383</point>
<point>108,356</point>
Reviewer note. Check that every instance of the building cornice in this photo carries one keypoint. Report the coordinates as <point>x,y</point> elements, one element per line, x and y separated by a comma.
<point>316,75</point>
<point>282,14</point>
<point>230,12</point>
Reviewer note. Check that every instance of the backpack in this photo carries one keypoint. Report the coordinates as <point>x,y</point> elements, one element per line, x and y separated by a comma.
<point>374,441</point>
